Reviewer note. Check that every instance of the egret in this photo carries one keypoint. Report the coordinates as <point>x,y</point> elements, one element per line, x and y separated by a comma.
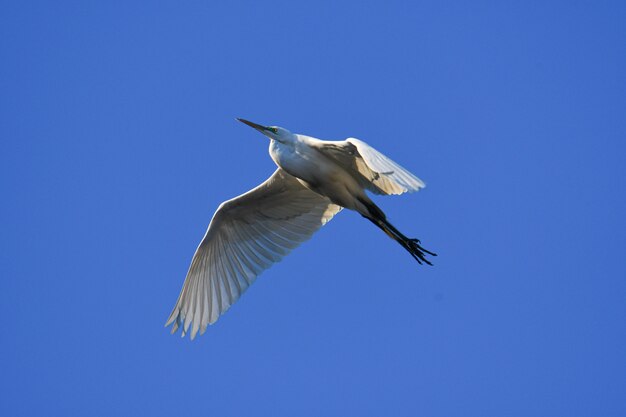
<point>314,181</point>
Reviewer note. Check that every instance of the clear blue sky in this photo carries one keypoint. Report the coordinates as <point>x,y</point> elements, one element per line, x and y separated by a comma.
<point>119,140</point>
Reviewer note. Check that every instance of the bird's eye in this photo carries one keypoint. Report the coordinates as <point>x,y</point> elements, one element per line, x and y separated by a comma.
<point>273,130</point>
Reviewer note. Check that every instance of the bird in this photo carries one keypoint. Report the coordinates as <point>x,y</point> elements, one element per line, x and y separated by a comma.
<point>314,181</point>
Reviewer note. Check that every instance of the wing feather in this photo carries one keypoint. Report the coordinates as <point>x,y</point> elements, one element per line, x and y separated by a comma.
<point>246,236</point>
<point>389,169</point>
<point>374,171</point>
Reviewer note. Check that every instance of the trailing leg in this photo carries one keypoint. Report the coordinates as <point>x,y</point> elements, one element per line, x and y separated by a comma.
<point>411,245</point>
<point>376,216</point>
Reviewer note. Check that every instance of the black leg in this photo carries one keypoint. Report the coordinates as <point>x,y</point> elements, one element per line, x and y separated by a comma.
<point>411,245</point>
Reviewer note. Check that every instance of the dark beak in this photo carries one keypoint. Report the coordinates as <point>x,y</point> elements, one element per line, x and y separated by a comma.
<point>258,127</point>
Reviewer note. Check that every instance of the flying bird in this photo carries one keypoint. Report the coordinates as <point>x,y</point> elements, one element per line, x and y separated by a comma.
<point>314,181</point>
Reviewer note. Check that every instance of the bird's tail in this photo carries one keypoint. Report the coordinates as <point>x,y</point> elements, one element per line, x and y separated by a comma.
<point>377,216</point>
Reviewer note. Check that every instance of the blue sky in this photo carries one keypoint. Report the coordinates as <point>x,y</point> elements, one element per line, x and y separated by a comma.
<point>119,140</point>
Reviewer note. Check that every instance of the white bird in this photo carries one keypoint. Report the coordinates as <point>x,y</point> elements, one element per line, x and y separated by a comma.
<point>315,179</point>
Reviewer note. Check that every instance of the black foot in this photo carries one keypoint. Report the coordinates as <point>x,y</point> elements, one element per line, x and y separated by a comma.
<point>418,252</point>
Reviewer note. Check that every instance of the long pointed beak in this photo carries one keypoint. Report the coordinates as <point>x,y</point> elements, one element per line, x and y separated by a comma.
<point>256,126</point>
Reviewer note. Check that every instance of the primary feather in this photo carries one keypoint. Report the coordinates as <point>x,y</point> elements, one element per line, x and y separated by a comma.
<point>242,241</point>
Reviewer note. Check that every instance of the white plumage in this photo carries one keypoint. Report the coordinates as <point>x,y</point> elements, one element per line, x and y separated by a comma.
<point>247,234</point>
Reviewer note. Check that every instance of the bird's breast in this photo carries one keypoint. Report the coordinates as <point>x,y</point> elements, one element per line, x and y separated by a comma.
<point>302,162</point>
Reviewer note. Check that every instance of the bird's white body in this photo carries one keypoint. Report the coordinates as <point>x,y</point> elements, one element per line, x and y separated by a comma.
<point>301,157</point>
<point>248,233</point>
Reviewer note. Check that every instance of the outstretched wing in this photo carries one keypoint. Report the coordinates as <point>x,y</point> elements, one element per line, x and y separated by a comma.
<point>246,236</point>
<point>371,168</point>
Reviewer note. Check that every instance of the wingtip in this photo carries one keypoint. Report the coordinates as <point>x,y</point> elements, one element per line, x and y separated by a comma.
<point>173,316</point>
<point>174,328</point>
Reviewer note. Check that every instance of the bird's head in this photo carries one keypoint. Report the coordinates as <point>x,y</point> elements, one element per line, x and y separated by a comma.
<point>273,132</point>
